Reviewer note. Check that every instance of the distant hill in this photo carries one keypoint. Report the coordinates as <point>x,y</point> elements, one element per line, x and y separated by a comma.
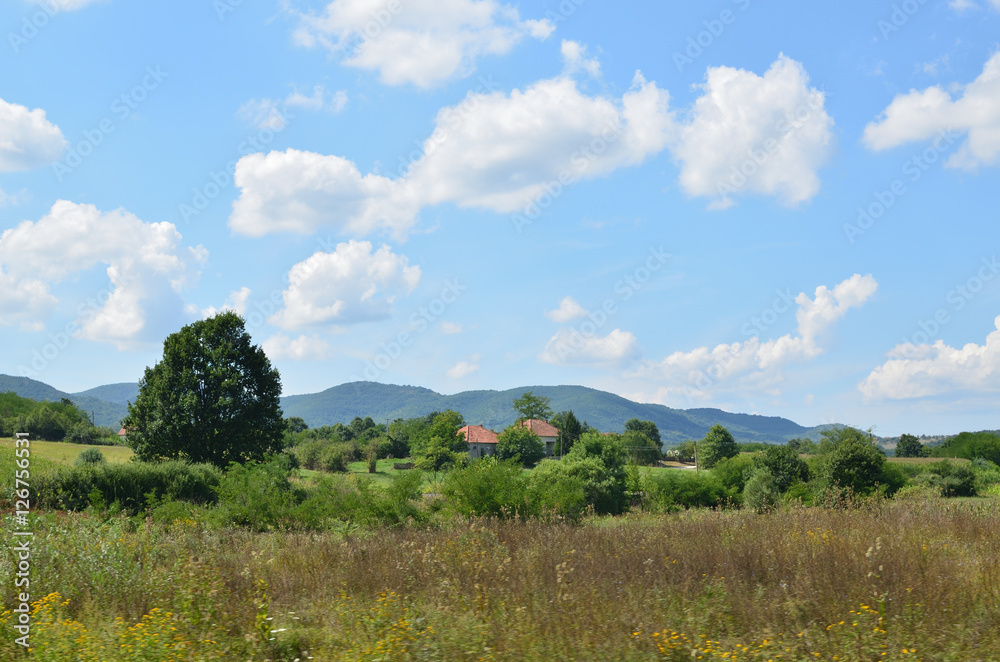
<point>605,411</point>
<point>104,402</point>
<point>340,404</point>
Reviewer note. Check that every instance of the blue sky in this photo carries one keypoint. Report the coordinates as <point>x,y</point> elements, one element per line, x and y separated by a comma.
<point>781,208</point>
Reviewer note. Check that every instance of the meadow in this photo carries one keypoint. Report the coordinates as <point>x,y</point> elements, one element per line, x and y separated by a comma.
<point>886,581</point>
<point>372,568</point>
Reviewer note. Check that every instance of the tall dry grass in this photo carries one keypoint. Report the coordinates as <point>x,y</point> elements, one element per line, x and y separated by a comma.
<point>888,581</point>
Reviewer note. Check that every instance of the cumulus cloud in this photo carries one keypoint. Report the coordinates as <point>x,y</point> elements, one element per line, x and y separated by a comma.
<point>303,348</point>
<point>295,191</point>
<point>493,151</point>
<point>568,310</point>
<point>237,302</point>
<point>756,362</point>
<point>451,328</point>
<point>145,262</point>
<point>506,152</point>
<point>27,139</point>
<point>917,371</point>
<point>274,113</point>
<point>574,346</point>
<point>746,133</point>
<point>352,284</point>
<point>422,42</point>
<point>464,368</point>
<point>922,115</point>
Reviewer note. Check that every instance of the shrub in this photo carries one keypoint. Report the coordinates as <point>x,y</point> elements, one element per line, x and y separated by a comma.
<point>732,472</point>
<point>90,456</point>
<point>488,487</point>
<point>256,496</point>
<point>784,465</point>
<point>675,489</point>
<point>555,488</point>
<point>761,492</point>
<point>128,484</point>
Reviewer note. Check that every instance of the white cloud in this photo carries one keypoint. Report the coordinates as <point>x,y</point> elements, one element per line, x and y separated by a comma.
<point>493,150</point>
<point>963,5</point>
<point>303,348</point>
<point>237,302</point>
<point>574,59</point>
<point>27,139</point>
<point>917,371</point>
<point>423,42</point>
<point>574,346</point>
<point>568,310</point>
<point>351,284</point>
<point>922,115</point>
<point>274,113</point>
<point>464,368</point>
<point>501,152</point>
<point>294,191</point>
<point>756,363</point>
<point>505,152</point>
<point>765,134</point>
<point>450,328</point>
<point>145,262</point>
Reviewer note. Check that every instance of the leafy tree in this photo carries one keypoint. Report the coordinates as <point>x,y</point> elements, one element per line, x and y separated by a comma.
<point>435,455</point>
<point>910,446</point>
<point>213,397</point>
<point>784,466</point>
<point>531,406</point>
<point>854,461</point>
<point>295,424</point>
<point>716,445</point>
<point>570,430</point>
<point>641,449</point>
<point>732,472</point>
<point>518,441</point>
<point>490,487</point>
<point>648,428</point>
<point>971,445</point>
<point>803,445</point>
<point>684,451</point>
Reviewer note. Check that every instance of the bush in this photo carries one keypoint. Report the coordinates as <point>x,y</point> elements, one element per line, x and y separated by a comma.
<point>784,465</point>
<point>761,493</point>
<point>90,456</point>
<point>358,501</point>
<point>555,488</point>
<point>129,484</point>
<point>732,472</point>
<point>256,496</point>
<point>488,487</point>
<point>679,488</point>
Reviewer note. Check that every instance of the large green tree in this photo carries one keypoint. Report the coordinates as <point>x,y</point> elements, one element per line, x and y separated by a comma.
<point>910,446</point>
<point>520,442</point>
<point>570,430</point>
<point>716,445</point>
<point>530,406</point>
<point>854,461</point>
<point>213,397</point>
<point>648,428</point>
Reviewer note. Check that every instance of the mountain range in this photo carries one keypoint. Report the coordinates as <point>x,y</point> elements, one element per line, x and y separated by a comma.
<point>340,404</point>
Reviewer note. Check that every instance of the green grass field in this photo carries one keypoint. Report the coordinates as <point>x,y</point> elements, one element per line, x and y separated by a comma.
<point>63,453</point>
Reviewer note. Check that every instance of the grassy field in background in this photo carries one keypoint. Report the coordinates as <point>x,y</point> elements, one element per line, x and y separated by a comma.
<point>64,453</point>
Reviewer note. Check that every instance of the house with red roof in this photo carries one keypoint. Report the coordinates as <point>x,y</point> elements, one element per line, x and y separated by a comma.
<point>548,432</point>
<point>482,442</point>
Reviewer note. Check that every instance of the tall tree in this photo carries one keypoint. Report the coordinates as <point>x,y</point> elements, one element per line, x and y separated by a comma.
<point>716,445</point>
<point>648,428</point>
<point>570,430</point>
<point>910,446</point>
<point>213,397</point>
<point>520,442</point>
<point>530,406</point>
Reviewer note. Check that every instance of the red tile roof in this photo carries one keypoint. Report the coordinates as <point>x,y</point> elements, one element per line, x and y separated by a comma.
<point>477,434</point>
<point>541,428</point>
